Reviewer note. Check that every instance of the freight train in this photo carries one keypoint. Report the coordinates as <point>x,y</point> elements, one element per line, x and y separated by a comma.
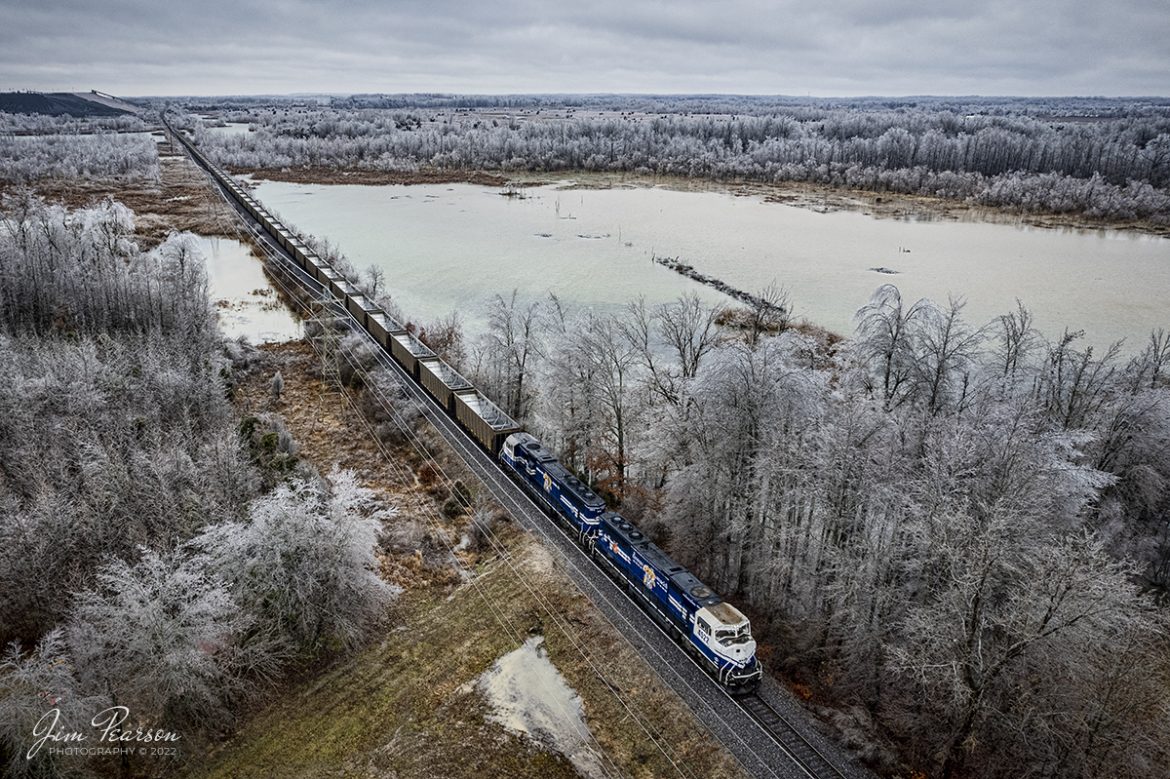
<point>713,631</point>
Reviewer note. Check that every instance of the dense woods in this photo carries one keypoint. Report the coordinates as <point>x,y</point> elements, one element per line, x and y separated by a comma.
<point>65,156</point>
<point>956,531</point>
<point>43,124</point>
<point>155,552</point>
<point>1012,154</point>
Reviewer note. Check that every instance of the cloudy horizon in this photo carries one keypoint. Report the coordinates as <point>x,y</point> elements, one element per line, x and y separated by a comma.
<point>833,49</point>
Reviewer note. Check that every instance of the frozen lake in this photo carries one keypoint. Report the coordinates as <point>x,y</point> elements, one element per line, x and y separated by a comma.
<point>451,247</point>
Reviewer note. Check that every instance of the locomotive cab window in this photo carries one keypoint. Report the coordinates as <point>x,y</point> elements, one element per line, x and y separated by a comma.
<point>733,636</point>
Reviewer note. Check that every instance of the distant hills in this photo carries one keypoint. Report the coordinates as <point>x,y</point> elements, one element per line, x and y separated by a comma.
<point>60,103</point>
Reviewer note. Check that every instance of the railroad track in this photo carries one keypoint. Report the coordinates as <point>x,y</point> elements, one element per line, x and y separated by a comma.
<point>788,739</point>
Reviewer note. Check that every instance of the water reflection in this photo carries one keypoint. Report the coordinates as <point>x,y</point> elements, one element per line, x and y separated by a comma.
<point>229,128</point>
<point>244,299</point>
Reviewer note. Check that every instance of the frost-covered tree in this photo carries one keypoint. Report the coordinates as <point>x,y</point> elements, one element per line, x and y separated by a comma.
<point>32,686</point>
<point>305,563</point>
<point>165,638</point>
<point>507,350</point>
<point>114,427</point>
<point>1007,611</point>
<point>886,333</point>
<point>685,328</point>
<point>72,157</point>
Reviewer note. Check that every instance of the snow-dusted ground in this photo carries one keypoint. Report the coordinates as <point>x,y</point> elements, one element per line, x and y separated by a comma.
<point>529,696</point>
<point>110,102</point>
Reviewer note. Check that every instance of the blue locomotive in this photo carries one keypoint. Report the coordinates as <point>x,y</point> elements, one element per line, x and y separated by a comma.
<point>716,632</point>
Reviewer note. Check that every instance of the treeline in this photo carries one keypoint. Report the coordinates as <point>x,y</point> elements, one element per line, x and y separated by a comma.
<point>25,158</point>
<point>155,553</point>
<point>1115,168</point>
<point>751,105</point>
<point>955,533</point>
<point>43,124</point>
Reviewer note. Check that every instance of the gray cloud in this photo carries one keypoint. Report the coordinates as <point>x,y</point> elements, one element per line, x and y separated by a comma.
<point>834,47</point>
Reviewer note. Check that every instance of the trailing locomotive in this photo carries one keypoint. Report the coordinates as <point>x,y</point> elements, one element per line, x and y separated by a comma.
<point>712,630</point>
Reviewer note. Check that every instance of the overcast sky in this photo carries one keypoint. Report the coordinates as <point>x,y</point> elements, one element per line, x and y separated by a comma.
<point>819,47</point>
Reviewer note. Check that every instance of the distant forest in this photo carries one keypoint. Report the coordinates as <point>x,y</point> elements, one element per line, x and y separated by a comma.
<point>1105,159</point>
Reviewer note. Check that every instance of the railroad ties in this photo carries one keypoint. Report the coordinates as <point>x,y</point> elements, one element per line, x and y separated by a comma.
<point>804,753</point>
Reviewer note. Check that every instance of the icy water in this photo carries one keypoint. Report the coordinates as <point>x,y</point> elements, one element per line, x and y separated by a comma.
<point>242,295</point>
<point>230,128</point>
<point>450,247</point>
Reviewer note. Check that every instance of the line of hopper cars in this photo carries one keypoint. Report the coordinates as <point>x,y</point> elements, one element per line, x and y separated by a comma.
<point>712,630</point>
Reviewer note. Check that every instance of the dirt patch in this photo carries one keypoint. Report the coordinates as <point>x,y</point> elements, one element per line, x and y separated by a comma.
<point>330,433</point>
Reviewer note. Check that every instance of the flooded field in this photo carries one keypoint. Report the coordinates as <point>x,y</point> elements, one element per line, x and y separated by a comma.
<point>230,128</point>
<point>243,296</point>
<point>450,247</point>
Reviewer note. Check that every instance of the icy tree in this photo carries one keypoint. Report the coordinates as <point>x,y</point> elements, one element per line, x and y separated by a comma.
<point>167,640</point>
<point>114,427</point>
<point>305,563</point>
<point>32,686</point>
<point>511,343</point>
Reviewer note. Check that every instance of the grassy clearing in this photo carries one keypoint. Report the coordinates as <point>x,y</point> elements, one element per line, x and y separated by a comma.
<point>396,709</point>
<point>408,707</point>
